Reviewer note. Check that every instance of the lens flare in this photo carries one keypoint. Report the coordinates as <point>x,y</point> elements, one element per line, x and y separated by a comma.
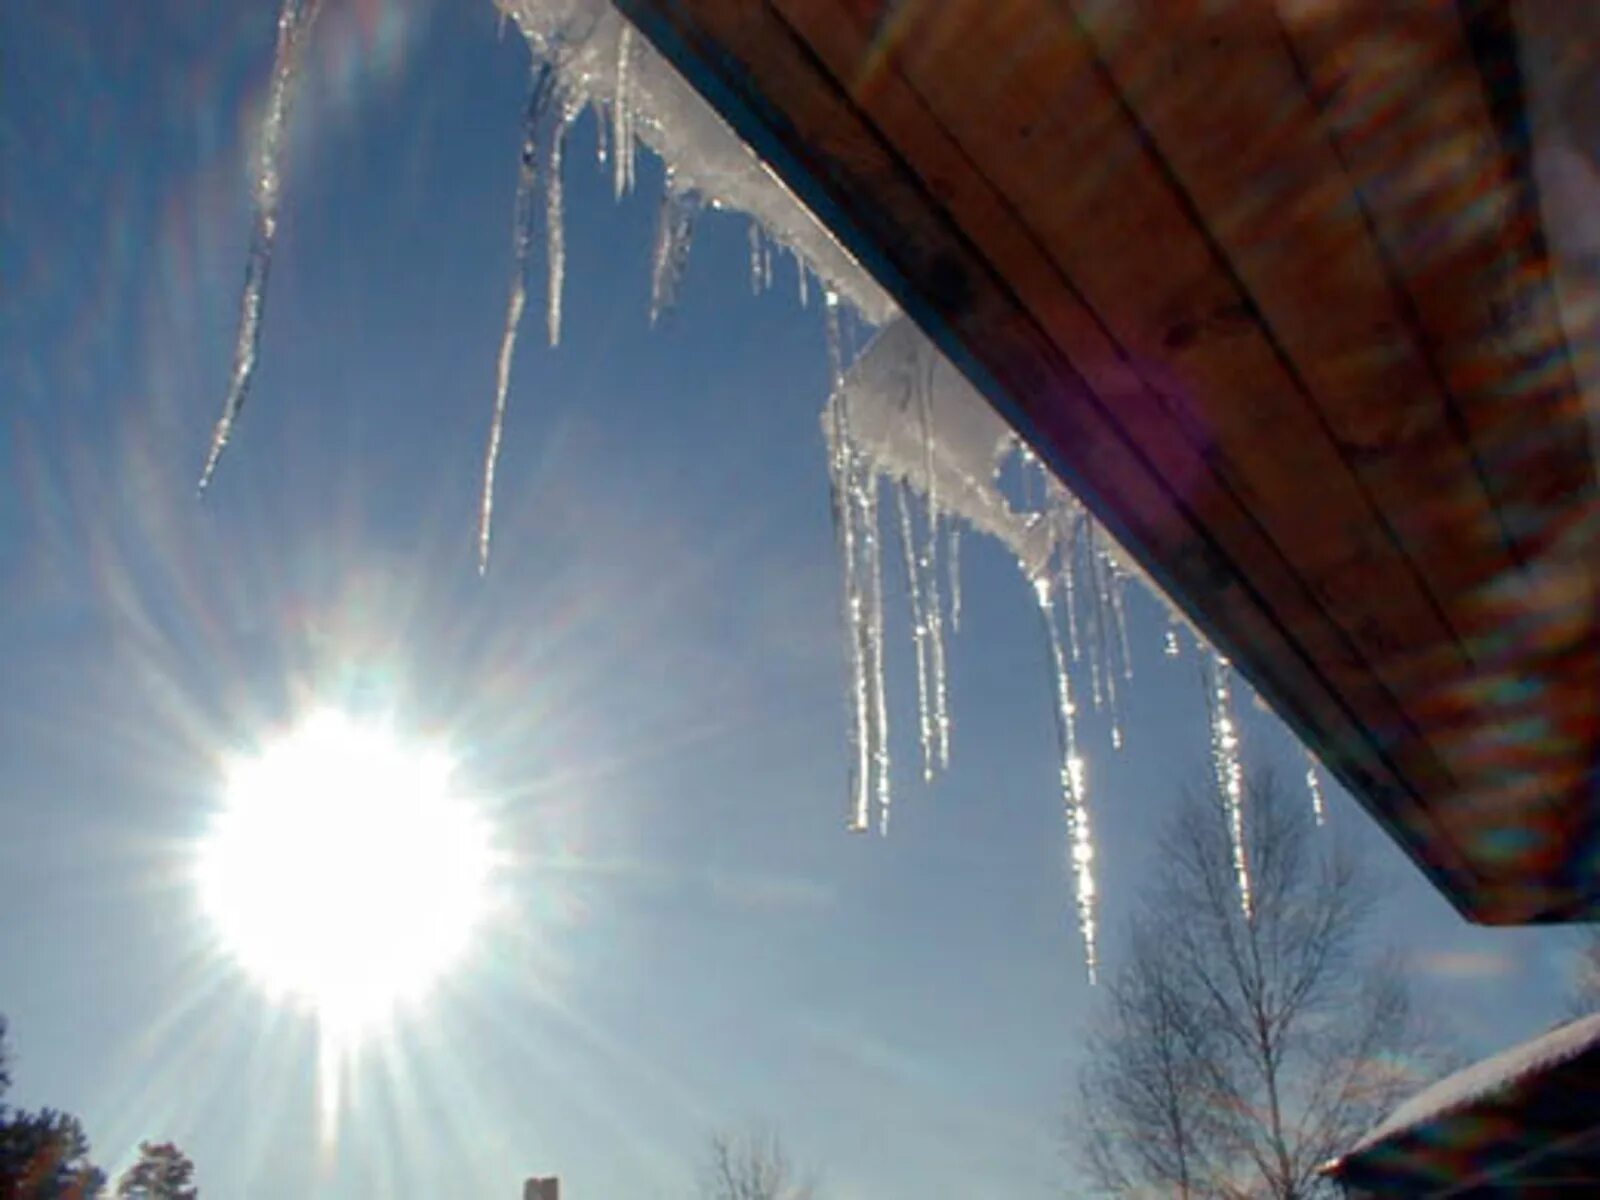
<point>342,872</point>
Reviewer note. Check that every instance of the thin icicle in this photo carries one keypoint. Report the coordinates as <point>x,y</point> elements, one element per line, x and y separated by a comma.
<point>1119,614</point>
<point>953,560</point>
<point>1074,782</point>
<point>1314,786</point>
<point>938,677</point>
<point>521,239</point>
<point>1228,770</point>
<point>555,232</point>
<point>840,475</point>
<point>674,236</point>
<point>295,19</point>
<point>872,546</point>
<point>623,115</point>
<point>929,562</point>
<point>1100,683</point>
<point>800,270</point>
<point>919,629</point>
<point>602,121</point>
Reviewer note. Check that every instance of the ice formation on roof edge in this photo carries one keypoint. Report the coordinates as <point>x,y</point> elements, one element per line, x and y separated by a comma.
<point>899,416</point>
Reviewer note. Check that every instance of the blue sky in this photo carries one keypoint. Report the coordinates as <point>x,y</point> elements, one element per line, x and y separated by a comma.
<point>647,689</point>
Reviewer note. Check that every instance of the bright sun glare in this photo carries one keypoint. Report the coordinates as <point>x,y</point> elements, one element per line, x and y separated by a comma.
<point>342,871</point>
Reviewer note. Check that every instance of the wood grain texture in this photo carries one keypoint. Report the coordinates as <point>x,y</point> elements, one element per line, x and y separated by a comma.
<point>1252,305</point>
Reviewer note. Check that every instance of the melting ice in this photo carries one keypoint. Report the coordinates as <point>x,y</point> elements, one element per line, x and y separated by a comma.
<point>912,448</point>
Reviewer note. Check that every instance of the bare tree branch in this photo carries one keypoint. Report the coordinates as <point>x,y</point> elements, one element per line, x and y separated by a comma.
<point>753,1165</point>
<point>1235,1053</point>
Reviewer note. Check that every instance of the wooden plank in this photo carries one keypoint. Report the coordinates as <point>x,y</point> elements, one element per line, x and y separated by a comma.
<point>1450,206</point>
<point>1224,98</point>
<point>1150,486</point>
<point>1078,360</point>
<point>1220,97</point>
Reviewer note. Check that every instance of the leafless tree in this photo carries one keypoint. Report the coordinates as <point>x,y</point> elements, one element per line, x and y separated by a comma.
<point>1583,992</point>
<point>1236,1052</point>
<point>753,1165</point>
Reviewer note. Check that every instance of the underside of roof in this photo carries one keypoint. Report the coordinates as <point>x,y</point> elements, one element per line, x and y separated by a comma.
<point>1273,286</point>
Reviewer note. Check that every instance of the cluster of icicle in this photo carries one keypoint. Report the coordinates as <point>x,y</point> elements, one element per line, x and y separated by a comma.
<point>912,449</point>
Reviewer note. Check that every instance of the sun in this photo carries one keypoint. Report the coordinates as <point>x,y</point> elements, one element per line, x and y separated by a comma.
<point>342,872</point>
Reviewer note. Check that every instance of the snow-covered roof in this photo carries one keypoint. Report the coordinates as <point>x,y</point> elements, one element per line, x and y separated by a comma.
<point>1508,1114</point>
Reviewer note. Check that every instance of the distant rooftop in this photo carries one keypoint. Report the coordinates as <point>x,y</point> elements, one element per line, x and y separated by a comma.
<point>1525,1122</point>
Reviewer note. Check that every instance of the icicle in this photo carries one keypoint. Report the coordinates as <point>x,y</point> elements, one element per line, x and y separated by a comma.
<point>1119,614</point>
<point>872,545</point>
<point>834,332</point>
<point>929,562</point>
<point>674,235</point>
<point>1074,783</point>
<point>919,628</point>
<point>555,232</point>
<point>1170,646</point>
<point>953,560</point>
<point>1099,681</point>
<point>855,513</point>
<point>622,112</point>
<point>602,119</point>
<point>840,472</point>
<point>521,239</point>
<point>1228,771</point>
<point>1314,786</point>
<point>1067,529</point>
<point>1105,628</point>
<point>755,259</point>
<point>295,19</point>
<point>934,606</point>
<point>800,270</point>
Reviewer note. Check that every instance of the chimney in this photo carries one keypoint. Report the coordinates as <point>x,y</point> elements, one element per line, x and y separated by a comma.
<point>542,1189</point>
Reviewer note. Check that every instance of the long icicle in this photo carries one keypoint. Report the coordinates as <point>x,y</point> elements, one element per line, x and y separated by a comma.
<point>929,561</point>
<point>555,229</point>
<point>919,628</point>
<point>1074,782</point>
<point>295,19</point>
<point>934,604</point>
<point>872,546</point>
<point>1096,648</point>
<point>622,113</point>
<point>841,475</point>
<point>842,472</point>
<point>869,543</point>
<point>539,98</point>
<point>1228,770</point>
<point>1105,616</point>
